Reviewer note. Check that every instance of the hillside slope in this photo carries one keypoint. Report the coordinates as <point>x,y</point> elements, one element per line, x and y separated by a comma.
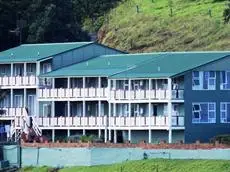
<point>194,25</point>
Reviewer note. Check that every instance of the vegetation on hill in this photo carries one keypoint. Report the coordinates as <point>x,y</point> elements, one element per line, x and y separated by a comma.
<point>167,25</point>
<point>157,165</point>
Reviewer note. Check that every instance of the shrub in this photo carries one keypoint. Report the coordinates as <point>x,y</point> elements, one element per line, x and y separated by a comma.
<point>224,139</point>
<point>226,13</point>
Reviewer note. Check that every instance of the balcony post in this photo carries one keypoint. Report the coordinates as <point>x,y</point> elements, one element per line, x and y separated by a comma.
<point>109,121</point>
<point>150,85</point>
<point>170,110</point>
<point>37,89</point>
<point>11,98</point>
<point>99,115</point>
<point>53,135</point>
<point>150,132</point>
<point>129,106</point>
<point>84,104</point>
<point>11,69</point>
<point>24,98</point>
<point>68,82</point>
<point>53,109</point>
<point>25,69</point>
<point>68,109</point>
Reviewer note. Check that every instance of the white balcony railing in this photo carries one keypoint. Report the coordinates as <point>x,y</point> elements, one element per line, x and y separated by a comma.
<point>158,121</point>
<point>18,81</point>
<point>146,94</point>
<point>12,112</point>
<point>73,93</point>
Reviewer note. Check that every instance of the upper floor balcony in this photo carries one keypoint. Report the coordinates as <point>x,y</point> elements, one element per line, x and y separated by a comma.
<point>73,93</point>
<point>17,81</point>
<point>114,90</point>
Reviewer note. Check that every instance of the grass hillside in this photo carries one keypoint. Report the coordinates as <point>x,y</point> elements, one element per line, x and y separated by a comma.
<point>158,165</point>
<point>194,25</point>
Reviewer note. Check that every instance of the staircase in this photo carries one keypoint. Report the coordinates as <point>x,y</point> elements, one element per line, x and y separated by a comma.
<point>25,127</point>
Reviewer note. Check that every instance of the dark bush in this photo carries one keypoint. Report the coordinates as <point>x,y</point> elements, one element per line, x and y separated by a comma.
<point>226,13</point>
<point>223,139</point>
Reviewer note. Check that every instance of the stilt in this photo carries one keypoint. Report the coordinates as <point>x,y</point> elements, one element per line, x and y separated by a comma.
<point>129,136</point>
<point>115,136</point>
<point>150,136</point>
<point>53,135</point>
<point>105,135</point>
<point>99,133</point>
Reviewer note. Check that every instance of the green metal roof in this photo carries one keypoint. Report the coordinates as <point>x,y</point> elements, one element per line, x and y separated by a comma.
<point>146,65</point>
<point>34,52</point>
<point>170,64</point>
<point>105,65</point>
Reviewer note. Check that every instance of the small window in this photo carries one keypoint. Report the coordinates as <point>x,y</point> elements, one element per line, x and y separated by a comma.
<point>225,112</point>
<point>204,113</point>
<point>204,80</point>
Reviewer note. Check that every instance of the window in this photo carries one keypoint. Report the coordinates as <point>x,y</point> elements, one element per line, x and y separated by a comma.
<point>225,112</point>
<point>203,80</point>
<point>225,80</point>
<point>204,113</point>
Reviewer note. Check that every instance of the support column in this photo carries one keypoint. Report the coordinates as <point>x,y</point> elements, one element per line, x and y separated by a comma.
<point>150,131</point>
<point>68,108</point>
<point>105,135</point>
<point>25,70</point>
<point>109,122</point>
<point>37,89</point>
<point>170,110</point>
<point>115,136</point>
<point>68,82</point>
<point>11,98</point>
<point>68,133</point>
<point>53,135</point>
<point>24,98</point>
<point>129,106</point>
<point>99,115</point>
<point>11,69</point>
<point>84,104</point>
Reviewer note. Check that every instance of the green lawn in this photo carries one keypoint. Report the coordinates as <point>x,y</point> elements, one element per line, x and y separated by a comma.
<point>158,165</point>
<point>152,29</point>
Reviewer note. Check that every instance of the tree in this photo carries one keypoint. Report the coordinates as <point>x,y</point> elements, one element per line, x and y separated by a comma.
<point>226,13</point>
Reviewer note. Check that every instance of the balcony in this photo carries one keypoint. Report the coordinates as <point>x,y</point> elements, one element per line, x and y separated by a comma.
<point>17,81</point>
<point>157,122</point>
<point>146,94</point>
<point>7,113</point>
<point>69,93</point>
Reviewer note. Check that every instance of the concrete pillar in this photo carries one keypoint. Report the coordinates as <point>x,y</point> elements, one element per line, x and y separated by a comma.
<point>114,109</point>
<point>170,110</point>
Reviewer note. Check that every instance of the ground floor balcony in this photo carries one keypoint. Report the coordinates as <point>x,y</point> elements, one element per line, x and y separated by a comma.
<point>140,123</point>
<point>160,94</point>
<point>73,93</point>
<point>15,81</point>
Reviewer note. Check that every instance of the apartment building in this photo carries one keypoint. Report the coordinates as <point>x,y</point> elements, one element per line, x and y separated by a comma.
<point>87,88</point>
